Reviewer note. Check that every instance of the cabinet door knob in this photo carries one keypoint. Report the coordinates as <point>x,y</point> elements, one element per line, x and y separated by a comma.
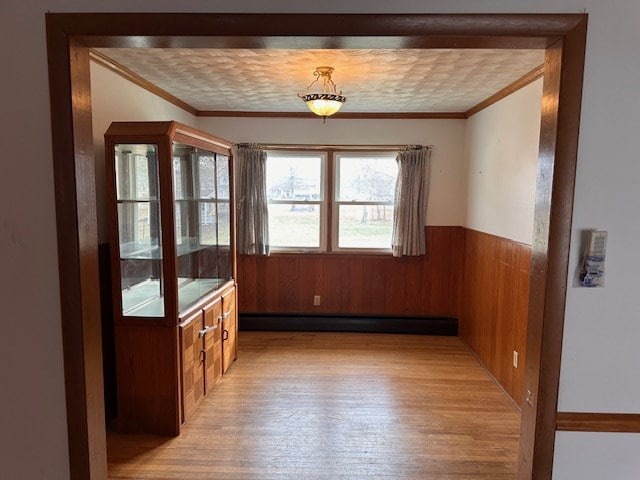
<point>226,315</point>
<point>206,330</point>
<point>225,335</point>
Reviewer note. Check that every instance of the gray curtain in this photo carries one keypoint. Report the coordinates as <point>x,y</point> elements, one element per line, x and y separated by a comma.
<point>410,211</point>
<point>251,187</point>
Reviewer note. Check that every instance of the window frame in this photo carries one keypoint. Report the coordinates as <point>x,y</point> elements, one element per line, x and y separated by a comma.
<point>321,202</point>
<point>328,203</point>
<point>335,203</point>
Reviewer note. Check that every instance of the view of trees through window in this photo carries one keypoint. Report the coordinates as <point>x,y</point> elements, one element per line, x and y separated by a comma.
<point>364,199</point>
<point>362,203</point>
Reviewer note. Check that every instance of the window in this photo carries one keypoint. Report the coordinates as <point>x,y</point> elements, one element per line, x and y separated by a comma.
<point>355,189</point>
<point>295,191</point>
<point>363,204</point>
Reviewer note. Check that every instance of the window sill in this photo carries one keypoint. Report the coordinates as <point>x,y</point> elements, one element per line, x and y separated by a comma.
<point>337,253</point>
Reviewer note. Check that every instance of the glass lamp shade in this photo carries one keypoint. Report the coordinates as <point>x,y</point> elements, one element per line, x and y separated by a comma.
<point>323,104</point>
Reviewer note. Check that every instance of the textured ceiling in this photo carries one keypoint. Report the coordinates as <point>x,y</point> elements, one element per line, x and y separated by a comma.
<point>374,81</point>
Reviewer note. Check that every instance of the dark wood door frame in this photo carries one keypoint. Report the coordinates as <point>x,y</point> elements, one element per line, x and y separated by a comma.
<point>69,36</point>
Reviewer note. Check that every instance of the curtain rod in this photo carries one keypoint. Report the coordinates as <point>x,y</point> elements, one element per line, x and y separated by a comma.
<point>294,146</point>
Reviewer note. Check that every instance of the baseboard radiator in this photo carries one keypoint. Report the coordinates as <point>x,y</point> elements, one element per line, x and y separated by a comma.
<point>345,323</point>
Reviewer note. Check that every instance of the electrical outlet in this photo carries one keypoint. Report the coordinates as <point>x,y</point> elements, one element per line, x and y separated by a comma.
<point>316,300</point>
<point>515,359</point>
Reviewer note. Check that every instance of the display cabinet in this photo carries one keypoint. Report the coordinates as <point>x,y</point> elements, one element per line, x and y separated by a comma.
<point>171,216</point>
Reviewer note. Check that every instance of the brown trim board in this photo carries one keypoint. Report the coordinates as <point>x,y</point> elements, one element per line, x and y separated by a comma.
<point>74,179</point>
<point>136,79</point>
<point>598,422</point>
<point>522,82</point>
<point>559,132</point>
<point>75,194</point>
<point>337,116</point>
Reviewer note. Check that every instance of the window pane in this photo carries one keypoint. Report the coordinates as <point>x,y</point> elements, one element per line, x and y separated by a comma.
<point>366,178</point>
<point>206,177</point>
<point>294,177</point>
<point>208,223</point>
<point>294,225</point>
<point>224,224</point>
<point>222,177</point>
<point>365,226</point>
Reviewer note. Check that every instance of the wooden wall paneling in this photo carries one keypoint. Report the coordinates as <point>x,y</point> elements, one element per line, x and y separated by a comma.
<point>469,329</point>
<point>522,317</point>
<point>510,312</point>
<point>356,285</point>
<point>306,284</point>
<point>239,278</point>
<point>318,282</point>
<point>511,315</point>
<point>489,299</point>
<point>248,278</point>
<point>477,315</point>
<point>415,285</point>
<point>494,308</point>
<point>439,259</point>
<point>425,297</point>
<point>261,284</point>
<point>455,271</point>
<point>396,288</point>
<point>271,284</point>
<point>345,287</point>
<point>500,329</point>
<point>368,275</point>
<point>287,283</point>
<point>332,282</point>
<point>377,284</point>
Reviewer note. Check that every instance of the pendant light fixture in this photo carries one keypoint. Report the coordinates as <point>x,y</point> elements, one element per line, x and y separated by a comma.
<point>327,100</point>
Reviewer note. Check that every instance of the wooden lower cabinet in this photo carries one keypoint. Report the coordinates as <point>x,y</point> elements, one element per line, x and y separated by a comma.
<point>212,344</point>
<point>207,349</point>
<point>164,372</point>
<point>229,329</point>
<point>192,353</point>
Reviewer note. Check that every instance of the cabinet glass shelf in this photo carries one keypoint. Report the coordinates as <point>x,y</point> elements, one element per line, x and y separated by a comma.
<point>168,183</point>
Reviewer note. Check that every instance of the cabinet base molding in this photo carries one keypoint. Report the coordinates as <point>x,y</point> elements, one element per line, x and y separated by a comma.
<point>344,323</point>
<point>598,422</point>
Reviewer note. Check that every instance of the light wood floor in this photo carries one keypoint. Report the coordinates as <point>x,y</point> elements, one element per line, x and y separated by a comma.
<point>322,406</point>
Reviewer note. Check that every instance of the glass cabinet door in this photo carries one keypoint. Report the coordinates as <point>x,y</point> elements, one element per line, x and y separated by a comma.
<point>223,210</point>
<point>138,207</point>
<point>202,221</point>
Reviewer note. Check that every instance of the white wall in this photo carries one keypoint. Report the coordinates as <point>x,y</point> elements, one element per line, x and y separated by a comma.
<point>597,456</point>
<point>502,152</point>
<point>115,99</point>
<point>446,204</point>
<point>32,405</point>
